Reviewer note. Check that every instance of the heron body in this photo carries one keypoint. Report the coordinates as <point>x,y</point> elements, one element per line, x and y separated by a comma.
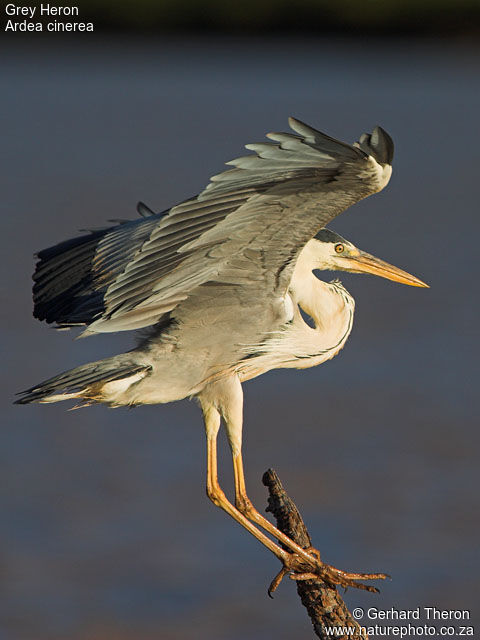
<point>224,282</point>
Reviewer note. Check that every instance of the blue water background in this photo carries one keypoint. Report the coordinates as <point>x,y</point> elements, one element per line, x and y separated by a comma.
<point>106,530</point>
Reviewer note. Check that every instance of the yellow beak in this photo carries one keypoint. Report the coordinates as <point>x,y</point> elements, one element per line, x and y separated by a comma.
<point>365,263</point>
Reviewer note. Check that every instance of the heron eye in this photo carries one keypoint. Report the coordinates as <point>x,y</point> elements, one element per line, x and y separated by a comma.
<point>339,248</point>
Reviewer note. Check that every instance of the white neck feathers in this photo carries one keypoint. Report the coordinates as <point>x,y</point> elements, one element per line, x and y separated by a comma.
<point>329,305</point>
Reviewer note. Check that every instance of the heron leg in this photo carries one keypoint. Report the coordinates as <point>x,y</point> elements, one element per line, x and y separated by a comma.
<point>215,492</point>
<point>229,396</point>
<point>225,399</point>
<point>245,506</point>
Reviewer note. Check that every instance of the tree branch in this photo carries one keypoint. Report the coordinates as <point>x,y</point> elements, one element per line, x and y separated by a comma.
<point>324,604</point>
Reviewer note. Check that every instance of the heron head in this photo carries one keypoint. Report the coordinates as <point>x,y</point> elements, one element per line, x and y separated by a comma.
<point>335,253</point>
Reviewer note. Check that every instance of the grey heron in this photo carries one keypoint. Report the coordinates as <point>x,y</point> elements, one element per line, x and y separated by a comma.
<point>221,281</point>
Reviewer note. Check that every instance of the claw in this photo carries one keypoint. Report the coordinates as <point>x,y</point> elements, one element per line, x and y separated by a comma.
<point>276,581</point>
<point>334,577</point>
<point>299,569</point>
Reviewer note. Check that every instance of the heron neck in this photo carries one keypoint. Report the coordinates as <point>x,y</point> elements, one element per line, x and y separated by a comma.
<point>299,345</point>
<point>323,301</point>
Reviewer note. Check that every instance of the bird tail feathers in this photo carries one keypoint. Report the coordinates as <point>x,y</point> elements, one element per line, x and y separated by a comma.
<point>101,381</point>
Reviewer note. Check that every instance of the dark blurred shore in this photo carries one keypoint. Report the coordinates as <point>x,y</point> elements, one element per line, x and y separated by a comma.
<point>262,17</point>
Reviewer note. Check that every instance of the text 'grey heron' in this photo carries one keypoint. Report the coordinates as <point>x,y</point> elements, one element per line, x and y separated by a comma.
<point>221,280</point>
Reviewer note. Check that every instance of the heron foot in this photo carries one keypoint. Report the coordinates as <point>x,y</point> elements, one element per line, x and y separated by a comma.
<point>297,569</point>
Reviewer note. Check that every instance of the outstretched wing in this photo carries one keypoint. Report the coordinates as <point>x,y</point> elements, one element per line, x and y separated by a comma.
<point>247,226</point>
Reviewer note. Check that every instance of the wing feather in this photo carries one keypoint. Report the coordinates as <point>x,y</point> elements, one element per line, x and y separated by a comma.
<point>247,226</point>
